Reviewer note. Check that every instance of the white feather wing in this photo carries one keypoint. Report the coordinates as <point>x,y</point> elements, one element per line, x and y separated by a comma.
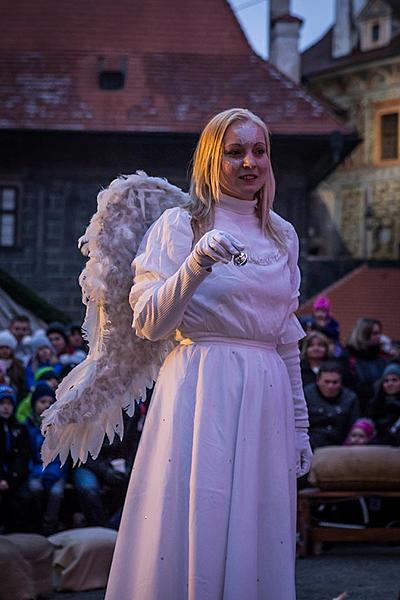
<point>120,365</point>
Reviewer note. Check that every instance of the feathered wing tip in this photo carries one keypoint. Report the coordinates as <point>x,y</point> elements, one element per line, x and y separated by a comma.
<point>119,366</point>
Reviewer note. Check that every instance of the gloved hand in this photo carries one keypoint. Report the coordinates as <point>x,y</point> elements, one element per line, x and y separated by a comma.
<point>303,452</point>
<point>216,246</point>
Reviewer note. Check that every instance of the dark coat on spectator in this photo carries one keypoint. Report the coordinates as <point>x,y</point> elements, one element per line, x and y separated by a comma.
<point>14,452</point>
<point>363,369</point>
<point>330,418</point>
<point>385,412</point>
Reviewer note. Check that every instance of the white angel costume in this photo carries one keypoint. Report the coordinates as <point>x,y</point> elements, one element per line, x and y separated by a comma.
<point>210,510</point>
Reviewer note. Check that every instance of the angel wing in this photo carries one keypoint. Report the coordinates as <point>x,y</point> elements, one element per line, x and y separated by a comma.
<point>120,365</point>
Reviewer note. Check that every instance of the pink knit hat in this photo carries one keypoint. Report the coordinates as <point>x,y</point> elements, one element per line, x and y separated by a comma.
<point>366,425</point>
<point>322,303</point>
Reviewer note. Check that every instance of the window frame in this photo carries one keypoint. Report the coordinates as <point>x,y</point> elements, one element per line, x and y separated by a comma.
<point>16,212</point>
<point>381,109</point>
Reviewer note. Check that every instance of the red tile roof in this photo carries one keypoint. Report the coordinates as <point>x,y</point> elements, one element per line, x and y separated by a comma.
<point>186,59</point>
<point>365,292</point>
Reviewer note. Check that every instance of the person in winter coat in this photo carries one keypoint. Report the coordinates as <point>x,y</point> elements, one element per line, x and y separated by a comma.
<point>322,320</point>
<point>384,409</point>
<point>14,463</point>
<point>314,351</point>
<point>332,408</point>
<point>363,359</point>
<point>11,367</point>
<point>42,375</point>
<point>43,355</point>
<point>46,485</point>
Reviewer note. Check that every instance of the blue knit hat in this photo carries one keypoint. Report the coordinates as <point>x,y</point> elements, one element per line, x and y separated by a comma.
<point>392,369</point>
<point>8,392</point>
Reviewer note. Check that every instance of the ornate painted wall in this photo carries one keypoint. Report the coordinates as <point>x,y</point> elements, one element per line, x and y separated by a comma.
<point>361,197</point>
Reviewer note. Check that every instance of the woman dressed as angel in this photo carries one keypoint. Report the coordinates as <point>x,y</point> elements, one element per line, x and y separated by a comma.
<point>210,510</point>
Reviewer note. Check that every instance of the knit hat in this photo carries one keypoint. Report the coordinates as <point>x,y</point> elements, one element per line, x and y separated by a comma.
<point>365,425</point>
<point>57,327</point>
<point>7,392</point>
<point>39,341</point>
<point>391,369</point>
<point>322,303</point>
<point>44,374</point>
<point>42,389</point>
<point>7,339</point>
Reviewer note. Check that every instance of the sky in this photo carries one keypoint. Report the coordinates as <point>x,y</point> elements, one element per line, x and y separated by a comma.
<point>317,15</point>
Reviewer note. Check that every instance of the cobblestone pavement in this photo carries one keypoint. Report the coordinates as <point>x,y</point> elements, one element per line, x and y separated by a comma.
<point>365,572</point>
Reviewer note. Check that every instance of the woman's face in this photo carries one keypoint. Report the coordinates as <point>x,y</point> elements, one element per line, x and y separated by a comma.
<point>391,384</point>
<point>316,349</point>
<point>57,341</point>
<point>245,161</point>
<point>375,337</point>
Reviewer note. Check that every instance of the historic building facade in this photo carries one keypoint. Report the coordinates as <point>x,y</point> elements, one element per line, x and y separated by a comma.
<point>91,90</point>
<point>356,66</point>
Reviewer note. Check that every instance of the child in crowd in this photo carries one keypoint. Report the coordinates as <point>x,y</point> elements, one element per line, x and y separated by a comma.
<point>314,351</point>
<point>361,433</point>
<point>46,486</point>
<point>43,355</point>
<point>14,463</point>
<point>42,375</point>
<point>11,367</point>
<point>322,320</point>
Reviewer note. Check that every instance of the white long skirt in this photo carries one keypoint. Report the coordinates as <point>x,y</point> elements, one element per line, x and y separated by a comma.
<point>210,509</point>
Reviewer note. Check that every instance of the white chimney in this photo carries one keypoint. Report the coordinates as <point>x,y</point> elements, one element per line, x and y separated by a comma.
<point>284,40</point>
<point>343,33</point>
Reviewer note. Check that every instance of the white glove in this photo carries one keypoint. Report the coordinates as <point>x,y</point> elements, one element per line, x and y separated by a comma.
<point>216,246</point>
<point>303,452</point>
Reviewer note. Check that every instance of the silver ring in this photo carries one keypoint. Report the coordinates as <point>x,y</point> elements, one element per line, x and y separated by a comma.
<point>240,259</point>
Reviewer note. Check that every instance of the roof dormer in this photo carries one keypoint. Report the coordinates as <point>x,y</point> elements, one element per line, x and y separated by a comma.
<point>374,25</point>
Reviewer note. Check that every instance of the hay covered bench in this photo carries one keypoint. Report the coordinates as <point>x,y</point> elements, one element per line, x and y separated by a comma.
<point>338,473</point>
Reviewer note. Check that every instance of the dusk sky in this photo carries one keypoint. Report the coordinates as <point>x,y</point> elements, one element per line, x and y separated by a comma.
<point>318,16</point>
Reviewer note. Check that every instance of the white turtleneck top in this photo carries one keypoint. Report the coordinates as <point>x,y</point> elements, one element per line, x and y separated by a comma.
<point>253,302</point>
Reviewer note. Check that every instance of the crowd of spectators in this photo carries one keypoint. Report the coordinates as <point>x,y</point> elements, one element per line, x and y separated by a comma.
<point>352,390</point>
<point>45,501</point>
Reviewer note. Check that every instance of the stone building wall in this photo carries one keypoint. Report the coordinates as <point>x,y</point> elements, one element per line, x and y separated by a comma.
<point>365,211</point>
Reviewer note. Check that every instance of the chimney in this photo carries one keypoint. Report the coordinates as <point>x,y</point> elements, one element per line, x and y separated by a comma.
<point>284,39</point>
<point>277,8</point>
<point>343,33</point>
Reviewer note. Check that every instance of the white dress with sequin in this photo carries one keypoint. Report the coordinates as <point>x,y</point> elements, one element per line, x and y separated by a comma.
<point>210,510</point>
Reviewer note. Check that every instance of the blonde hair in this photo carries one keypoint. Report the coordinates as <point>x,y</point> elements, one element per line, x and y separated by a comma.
<point>205,189</point>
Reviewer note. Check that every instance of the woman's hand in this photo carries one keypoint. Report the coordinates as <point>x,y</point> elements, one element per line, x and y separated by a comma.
<point>303,452</point>
<point>216,246</point>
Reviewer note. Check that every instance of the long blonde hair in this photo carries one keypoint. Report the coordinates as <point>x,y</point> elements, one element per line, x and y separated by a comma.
<point>205,189</point>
